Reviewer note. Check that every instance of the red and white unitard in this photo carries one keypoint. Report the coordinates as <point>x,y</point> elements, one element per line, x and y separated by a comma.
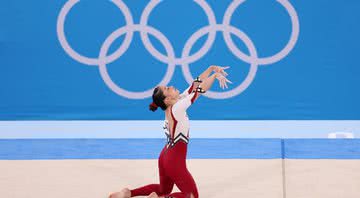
<point>172,160</point>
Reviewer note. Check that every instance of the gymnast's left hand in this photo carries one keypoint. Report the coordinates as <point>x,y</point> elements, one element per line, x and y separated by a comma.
<point>222,80</point>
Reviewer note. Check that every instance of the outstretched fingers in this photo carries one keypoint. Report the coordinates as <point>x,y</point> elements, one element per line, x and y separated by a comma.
<point>223,81</point>
<point>220,69</point>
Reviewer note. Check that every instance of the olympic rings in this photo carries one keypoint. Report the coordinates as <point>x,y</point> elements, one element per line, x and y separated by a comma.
<point>169,58</point>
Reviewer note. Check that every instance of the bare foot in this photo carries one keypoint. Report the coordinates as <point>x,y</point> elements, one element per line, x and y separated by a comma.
<point>124,193</point>
<point>153,195</point>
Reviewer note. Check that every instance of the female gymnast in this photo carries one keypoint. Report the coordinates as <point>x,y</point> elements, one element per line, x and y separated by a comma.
<point>172,159</point>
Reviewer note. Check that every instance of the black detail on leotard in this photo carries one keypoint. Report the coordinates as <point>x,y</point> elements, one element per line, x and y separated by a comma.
<point>178,138</point>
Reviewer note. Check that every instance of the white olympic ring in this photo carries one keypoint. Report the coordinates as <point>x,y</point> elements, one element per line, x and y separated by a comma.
<point>105,47</point>
<point>144,29</point>
<point>83,59</point>
<point>268,60</point>
<point>197,55</point>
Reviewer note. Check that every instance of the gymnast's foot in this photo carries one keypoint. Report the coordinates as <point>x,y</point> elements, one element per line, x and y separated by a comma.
<point>124,193</point>
<point>153,195</point>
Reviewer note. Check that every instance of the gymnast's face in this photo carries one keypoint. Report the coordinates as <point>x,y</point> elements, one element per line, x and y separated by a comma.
<point>171,94</point>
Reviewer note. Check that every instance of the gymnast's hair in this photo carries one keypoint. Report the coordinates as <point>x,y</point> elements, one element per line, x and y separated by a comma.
<point>158,100</point>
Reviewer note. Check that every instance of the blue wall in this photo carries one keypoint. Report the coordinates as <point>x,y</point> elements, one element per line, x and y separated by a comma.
<point>318,79</point>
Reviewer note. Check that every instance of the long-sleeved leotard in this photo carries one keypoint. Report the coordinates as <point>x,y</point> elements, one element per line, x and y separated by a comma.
<point>172,160</point>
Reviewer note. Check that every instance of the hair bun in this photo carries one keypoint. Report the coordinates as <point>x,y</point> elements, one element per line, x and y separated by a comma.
<point>153,107</point>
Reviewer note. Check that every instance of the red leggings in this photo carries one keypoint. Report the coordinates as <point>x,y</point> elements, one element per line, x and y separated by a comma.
<point>172,170</point>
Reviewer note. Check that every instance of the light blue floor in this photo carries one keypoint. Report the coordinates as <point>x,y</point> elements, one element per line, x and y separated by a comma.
<point>34,149</point>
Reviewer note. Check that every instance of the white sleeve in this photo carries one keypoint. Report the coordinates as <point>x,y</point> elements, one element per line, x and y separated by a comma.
<point>180,107</point>
<point>188,90</point>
